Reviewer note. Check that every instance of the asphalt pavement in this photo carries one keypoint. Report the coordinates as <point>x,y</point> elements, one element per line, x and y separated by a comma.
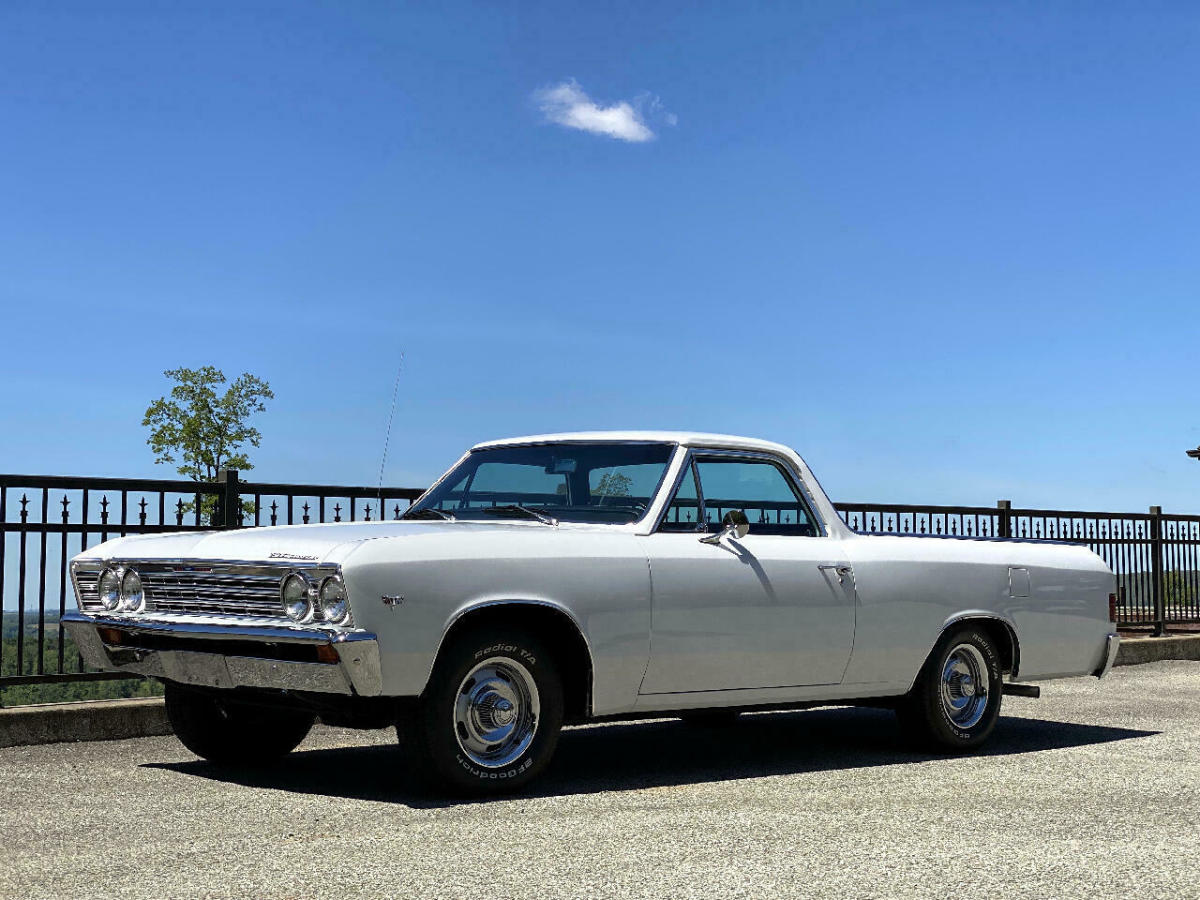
<point>1092,791</point>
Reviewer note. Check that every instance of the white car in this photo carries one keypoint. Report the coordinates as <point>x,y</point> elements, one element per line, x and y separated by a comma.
<point>563,578</point>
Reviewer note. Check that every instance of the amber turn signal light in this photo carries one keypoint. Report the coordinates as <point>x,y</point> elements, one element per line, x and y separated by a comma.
<point>326,654</point>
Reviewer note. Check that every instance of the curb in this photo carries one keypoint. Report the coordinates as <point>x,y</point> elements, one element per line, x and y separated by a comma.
<point>1135,651</point>
<point>88,720</point>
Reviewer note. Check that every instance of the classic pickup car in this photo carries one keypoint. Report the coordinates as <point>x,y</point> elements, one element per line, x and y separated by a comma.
<point>566,578</point>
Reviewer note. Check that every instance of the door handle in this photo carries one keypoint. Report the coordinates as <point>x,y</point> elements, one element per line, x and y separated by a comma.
<point>842,571</point>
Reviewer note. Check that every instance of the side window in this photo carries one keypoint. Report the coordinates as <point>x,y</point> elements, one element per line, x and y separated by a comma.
<point>758,488</point>
<point>684,512</point>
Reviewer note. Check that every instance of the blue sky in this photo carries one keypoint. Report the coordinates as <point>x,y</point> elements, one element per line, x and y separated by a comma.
<point>948,251</point>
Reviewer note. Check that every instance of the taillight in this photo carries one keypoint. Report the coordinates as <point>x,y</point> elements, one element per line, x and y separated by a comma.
<point>1112,607</point>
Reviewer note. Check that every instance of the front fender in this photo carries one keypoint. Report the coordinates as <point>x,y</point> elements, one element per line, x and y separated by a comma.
<point>411,592</point>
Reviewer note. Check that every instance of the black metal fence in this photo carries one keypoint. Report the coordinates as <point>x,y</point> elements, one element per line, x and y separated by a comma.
<point>45,520</point>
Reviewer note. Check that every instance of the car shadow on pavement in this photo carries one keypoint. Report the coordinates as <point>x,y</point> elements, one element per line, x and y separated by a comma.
<point>662,753</point>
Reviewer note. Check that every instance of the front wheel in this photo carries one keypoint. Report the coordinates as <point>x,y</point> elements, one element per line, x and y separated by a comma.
<point>955,702</point>
<point>222,730</point>
<point>489,719</point>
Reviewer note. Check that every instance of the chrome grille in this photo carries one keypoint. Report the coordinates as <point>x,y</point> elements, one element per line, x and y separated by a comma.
<point>85,589</point>
<point>199,588</point>
<point>179,590</point>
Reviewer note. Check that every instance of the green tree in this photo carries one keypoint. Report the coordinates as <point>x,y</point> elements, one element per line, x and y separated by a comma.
<point>613,484</point>
<point>204,431</point>
<point>1178,589</point>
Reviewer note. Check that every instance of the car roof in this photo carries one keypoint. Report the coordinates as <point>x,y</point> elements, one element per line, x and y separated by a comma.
<point>686,438</point>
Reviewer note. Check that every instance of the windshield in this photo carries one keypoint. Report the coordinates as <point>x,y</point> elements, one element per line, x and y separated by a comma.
<point>601,482</point>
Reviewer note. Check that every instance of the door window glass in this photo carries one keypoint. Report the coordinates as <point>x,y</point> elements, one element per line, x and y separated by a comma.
<point>684,512</point>
<point>759,489</point>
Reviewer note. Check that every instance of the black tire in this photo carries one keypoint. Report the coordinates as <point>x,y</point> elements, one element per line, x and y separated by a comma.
<point>225,731</point>
<point>439,745</point>
<point>927,715</point>
<point>710,718</point>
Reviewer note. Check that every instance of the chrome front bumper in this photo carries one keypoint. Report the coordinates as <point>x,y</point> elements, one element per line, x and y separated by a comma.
<point>176,651</point>
<point>1112,643</point>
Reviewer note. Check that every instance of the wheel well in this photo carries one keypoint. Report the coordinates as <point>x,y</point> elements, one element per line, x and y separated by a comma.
<point>1002,636</point>
<point>557,631</point>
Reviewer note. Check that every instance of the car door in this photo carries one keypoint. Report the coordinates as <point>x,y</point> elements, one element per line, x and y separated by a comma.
<point>774,608</point>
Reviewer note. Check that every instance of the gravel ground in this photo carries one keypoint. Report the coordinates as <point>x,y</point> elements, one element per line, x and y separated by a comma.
<point>1092,791</point>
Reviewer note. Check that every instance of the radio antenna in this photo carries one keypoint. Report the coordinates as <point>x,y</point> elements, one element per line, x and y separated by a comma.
<point>388,436</point>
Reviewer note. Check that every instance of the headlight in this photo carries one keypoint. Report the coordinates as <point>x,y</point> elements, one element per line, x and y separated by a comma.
<point>335,603</point>
<point>109,588</point>
<point>293,593</point>
<point>133,596</point>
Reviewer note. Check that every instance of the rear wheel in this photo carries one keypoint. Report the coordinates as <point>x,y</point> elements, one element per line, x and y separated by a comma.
<point>489,719</point>
<point>223,730</point>
<point>956,701</point>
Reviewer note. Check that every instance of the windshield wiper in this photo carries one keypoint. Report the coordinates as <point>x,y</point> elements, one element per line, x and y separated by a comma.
<point>542,517</point>
<point>428,513</point>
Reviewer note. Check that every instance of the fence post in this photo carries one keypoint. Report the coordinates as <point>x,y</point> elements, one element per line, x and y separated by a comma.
<point>230,499</point>
<point>1004,518</point>
<point>1156,571</point>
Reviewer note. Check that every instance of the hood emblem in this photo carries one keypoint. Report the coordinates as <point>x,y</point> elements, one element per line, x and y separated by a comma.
<point>392,600</point>
<point>275,554</point>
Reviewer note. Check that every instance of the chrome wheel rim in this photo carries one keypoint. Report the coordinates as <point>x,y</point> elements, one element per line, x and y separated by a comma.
<point>965,686</point>
<point>496,712</point>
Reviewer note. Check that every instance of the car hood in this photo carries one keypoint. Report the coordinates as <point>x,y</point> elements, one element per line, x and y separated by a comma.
<point>296,543</point>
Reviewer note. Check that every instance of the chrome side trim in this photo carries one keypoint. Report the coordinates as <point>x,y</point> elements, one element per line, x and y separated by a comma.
<point>1112,643</point>
<point>358,670</point>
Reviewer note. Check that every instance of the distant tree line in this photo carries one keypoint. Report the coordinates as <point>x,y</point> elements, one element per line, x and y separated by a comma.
<point>24,694</point>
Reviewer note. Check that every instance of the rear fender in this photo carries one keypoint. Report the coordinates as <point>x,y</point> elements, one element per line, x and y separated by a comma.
<point>1000,627</point>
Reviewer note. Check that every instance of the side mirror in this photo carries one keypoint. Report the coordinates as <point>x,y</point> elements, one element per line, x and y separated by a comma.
<point>734,524</point>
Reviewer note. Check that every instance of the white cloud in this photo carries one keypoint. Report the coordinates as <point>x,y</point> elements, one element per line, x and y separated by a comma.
<point>566,104</point>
